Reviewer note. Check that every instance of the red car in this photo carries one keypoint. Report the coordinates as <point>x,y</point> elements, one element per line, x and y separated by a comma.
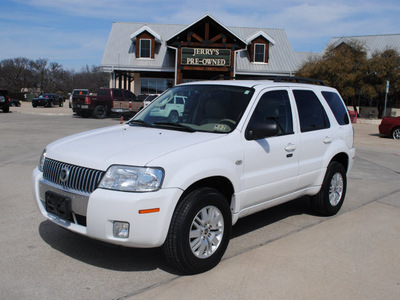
<point>390,126</point>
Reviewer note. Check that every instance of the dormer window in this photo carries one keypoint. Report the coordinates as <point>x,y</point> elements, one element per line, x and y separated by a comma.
<point>145,48</point>
<point>145,40</point>
<point>259,53</point>
<point>258,46</point>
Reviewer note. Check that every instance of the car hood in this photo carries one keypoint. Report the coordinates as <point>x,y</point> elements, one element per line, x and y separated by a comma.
<point>122,144</point>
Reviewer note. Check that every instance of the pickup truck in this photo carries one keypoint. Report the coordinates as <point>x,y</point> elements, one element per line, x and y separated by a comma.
<point>78,93</point>
<point>100,104</point>
<point>128,106</point>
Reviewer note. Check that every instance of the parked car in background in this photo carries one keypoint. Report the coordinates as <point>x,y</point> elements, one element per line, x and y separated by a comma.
<point>172,108</point>
<point>4,101</point>
<point>390,126</point>
<point>128,105</point>
<point>100,104</point>
<point>48,100</point>
<point>15,103</point>
<point>76,93</point>
<point>150,98</point>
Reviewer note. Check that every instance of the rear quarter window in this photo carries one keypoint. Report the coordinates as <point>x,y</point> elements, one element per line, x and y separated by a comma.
<point>337,106</point>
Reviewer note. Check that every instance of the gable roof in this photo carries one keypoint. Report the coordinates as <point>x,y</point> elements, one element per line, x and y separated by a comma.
<point>260,33</point>
<point>143,29</point>
<point>372,43</point>
<point>200,20</point>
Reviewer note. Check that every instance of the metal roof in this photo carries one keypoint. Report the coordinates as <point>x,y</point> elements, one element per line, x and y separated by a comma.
<point>120,50</point>
<point>372,43</point>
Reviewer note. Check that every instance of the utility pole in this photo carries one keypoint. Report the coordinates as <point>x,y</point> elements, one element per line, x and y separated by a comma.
<point>386,94</point>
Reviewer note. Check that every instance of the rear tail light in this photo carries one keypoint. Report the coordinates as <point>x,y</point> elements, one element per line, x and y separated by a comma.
<point>87,100</point>
<point>130,105</point>
<point>8,99</point>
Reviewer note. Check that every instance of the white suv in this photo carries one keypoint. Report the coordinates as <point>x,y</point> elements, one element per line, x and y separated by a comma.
<point>236,148</point>
<point>171,108</point>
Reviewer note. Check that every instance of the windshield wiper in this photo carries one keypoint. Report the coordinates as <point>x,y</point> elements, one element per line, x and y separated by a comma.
<point>139,122</point>
<point>176,125</point>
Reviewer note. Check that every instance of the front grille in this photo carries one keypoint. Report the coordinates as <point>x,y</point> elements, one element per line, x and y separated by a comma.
<point>79,178</point>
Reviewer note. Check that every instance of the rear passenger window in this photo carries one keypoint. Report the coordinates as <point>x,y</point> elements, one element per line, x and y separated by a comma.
<point>337,107</point>
<point>117,93</point>
<point>311,112</point>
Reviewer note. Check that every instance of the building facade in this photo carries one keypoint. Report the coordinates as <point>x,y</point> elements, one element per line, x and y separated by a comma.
<point>150,58</point>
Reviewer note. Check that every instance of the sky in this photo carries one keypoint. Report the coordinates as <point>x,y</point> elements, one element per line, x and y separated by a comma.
<point>74,33</point>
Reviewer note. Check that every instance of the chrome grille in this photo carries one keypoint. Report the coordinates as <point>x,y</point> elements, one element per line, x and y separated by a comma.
<point>79,178</point>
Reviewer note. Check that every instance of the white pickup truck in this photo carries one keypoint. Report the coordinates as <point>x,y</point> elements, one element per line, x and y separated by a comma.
<point>235,148</point>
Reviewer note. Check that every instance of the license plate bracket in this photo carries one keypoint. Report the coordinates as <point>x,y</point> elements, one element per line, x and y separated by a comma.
<point>59,205</point>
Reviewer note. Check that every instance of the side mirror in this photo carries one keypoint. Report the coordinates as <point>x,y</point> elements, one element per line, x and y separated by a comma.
<point>262,130</point>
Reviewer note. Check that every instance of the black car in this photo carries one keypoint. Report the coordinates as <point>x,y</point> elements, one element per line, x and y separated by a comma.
<point>48,100</point>
<point>4,101</point>
<point>15,103</point>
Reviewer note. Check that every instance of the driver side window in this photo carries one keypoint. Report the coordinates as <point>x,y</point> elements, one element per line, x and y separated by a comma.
<point>275,105</point>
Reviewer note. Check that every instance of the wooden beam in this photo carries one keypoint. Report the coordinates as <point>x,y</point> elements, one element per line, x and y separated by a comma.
<point>197,37</point>
<point>216,38</point>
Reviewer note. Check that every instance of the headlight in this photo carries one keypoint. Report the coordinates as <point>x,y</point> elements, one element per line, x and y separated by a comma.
<point>132,179</point>
<point>41,160</point>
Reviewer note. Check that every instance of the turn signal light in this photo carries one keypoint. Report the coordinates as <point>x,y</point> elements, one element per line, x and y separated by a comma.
<point>149,211</point>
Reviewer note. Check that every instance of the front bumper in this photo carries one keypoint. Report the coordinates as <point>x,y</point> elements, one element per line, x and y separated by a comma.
<point>103,207</point>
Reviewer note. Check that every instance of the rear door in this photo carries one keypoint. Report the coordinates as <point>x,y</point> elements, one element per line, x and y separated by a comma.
<point>315,134</point>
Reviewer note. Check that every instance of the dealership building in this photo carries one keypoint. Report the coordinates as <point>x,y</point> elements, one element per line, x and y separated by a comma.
<point>149,58</point>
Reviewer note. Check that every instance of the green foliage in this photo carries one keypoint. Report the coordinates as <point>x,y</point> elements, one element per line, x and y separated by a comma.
<point>358,78</point>
<point>40,75</point>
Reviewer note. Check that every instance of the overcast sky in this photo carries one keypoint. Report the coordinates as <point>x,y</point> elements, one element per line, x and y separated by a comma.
<point>75,32</point>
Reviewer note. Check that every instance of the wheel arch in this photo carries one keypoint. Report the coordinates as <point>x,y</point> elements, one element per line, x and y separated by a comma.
<point>220,183</point>
<point>341,158</point>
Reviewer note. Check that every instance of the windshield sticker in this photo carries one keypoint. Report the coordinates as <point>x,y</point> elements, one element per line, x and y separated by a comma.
<point>221,128</point>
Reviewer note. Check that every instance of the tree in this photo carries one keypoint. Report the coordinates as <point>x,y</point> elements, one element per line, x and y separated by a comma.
<point>383,67</point>
<point>49,77</point>
<point>342,67</point>
<point>360,79</point>
<point>15,73</point>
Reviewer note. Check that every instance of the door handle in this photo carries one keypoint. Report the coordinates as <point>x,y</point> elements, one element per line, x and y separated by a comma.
<point>327,140</point>
<point>290,147</point>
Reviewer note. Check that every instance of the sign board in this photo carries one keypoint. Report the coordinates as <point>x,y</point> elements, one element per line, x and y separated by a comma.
<point>206,57</point>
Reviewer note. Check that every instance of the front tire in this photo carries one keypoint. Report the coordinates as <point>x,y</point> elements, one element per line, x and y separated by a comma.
<point>330,198</point>
<point>199,232</point>
<point>173,117</point>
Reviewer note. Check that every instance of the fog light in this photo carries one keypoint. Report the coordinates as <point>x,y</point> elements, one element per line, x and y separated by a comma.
<point>121,230</point>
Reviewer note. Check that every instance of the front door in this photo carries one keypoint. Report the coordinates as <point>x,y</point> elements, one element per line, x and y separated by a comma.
<point>271,164</point>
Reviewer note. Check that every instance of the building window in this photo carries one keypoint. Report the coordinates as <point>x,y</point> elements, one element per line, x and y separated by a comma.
<point>145,48</point>
<point>259,53</point>
<point>155,85</point>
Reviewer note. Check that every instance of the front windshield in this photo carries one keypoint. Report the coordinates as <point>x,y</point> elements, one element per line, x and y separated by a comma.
<point>208,108</point>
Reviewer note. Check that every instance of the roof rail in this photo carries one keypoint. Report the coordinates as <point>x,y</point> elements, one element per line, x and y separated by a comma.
<point>297,79</point>
<point>275,79</point>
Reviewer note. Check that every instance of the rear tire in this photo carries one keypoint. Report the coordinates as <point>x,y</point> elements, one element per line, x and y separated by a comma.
<point>199,232</point>
<point>396,133</point>
<point>330,198</point>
